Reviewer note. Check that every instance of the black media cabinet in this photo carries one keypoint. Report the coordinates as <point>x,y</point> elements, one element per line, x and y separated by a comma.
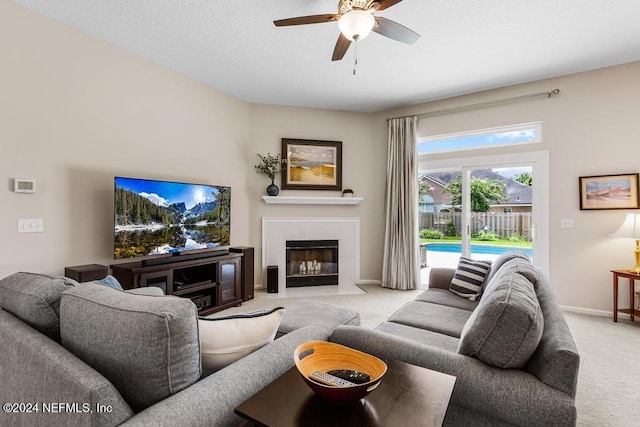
<point>213,283</point>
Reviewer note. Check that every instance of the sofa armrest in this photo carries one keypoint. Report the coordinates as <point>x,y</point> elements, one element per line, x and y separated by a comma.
<point>441,277</point>
<point>36,369</point>
<point>212,400</point>
<point>514,396</point>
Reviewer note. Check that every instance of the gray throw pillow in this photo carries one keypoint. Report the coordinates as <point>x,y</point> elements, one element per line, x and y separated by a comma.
<point>469,278</point>
<point>35,299</point>
<point>147,346</point>
<point>506,327</point>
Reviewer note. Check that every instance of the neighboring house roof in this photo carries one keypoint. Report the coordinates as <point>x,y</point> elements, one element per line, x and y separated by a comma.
<point>518,194</point>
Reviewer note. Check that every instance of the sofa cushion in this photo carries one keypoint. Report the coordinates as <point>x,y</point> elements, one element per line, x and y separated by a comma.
<point>226,339</point>
<point>147,346</point>
<point>432,317</point>
<point>499,262</point>
<point>35,299</point>
<point>507,326</point>
<point>469,277</point>
<point>306,312</point>
<point>445,297</point>
<point>423,336</point>
<point>514,265</point>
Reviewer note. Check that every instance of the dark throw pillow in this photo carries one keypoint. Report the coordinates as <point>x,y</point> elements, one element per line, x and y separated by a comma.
<point>469,278</point>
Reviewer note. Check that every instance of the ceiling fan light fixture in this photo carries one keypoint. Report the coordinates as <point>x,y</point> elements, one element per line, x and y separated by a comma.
<point>356,24</point>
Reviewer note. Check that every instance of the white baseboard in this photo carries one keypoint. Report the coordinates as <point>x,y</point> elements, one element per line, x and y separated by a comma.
<point>369,282</point>
<point>360,282</point>
<point>590,311</point>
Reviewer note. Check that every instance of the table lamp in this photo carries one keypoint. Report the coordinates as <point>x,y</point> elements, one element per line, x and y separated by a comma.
<point>630,228</point>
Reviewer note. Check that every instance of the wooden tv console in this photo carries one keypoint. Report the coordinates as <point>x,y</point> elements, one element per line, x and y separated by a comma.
<point>213,283</point>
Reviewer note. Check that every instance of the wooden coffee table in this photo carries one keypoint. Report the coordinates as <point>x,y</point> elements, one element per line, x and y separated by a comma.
<point>407,395</point>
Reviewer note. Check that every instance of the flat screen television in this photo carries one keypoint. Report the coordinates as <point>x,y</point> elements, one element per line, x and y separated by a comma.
<point>163,217</point>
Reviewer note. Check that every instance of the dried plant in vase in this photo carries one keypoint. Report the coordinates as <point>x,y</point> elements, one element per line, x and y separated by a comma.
<point>270,165</point>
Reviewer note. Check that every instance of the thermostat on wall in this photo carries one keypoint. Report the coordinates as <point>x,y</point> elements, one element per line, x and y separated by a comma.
<point>22,185</point>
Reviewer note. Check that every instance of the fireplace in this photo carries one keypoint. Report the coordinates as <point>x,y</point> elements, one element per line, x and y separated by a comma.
<point>311,263</point>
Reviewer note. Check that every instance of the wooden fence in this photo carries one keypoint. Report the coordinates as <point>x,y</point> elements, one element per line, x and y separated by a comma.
<point>501,224</point>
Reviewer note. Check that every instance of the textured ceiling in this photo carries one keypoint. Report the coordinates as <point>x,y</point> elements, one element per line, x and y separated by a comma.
<point>466,46</point>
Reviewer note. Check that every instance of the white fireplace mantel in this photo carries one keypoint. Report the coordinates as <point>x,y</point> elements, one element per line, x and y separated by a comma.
<point>293,200</point>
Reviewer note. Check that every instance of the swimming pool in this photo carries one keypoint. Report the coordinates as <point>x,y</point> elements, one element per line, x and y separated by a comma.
<point>477,249</point>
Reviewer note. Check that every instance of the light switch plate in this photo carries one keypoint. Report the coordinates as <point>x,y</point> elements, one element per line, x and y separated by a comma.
<point>566,223</point>
<point>30,225</point>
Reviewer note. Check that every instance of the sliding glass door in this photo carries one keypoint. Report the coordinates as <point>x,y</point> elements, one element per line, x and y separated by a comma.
<point>481,207</point>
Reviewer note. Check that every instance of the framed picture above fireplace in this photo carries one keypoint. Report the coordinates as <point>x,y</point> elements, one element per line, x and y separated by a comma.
<point>311,164</point>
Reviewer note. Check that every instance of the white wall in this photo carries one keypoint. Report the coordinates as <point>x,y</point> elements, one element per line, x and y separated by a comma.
<point>590,128</point>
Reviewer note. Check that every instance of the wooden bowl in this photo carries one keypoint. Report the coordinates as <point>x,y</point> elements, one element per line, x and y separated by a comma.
<point>325,356</point>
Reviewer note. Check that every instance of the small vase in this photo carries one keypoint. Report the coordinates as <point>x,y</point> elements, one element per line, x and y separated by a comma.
<point>272,189</point>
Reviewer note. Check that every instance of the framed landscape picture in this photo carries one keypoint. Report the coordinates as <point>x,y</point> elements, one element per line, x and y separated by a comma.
<point>311,165</point>
<point>609,192</point>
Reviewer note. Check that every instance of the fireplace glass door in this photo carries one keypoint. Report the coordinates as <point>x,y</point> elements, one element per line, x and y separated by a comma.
<point>311,263</point>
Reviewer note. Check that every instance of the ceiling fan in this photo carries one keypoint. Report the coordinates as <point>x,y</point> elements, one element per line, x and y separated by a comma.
<point>356,20</point>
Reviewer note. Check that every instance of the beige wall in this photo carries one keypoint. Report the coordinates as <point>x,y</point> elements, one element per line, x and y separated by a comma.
<point>363,160</point>
<point>590,128</point>
<point>74,112</point>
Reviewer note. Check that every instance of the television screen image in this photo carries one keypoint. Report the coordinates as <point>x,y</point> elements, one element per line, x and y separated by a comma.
<point>161,217</point>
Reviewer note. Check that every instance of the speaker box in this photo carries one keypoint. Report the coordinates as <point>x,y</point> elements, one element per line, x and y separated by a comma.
<point>86,273</point>
<point>246,270</point>
<point>272,279</point>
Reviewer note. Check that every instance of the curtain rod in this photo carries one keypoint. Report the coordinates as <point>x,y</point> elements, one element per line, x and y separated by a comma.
<point>468,107</point>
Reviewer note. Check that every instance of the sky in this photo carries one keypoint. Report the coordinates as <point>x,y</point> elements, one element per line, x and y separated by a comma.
<point>163,193</point>
<point>467,142</point>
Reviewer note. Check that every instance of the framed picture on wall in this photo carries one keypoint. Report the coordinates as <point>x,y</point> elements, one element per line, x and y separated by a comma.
<point>609,192</point>
<point>311,165</point>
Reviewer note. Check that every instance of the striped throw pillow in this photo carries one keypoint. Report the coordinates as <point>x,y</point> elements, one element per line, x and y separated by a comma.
<point>469,278</point>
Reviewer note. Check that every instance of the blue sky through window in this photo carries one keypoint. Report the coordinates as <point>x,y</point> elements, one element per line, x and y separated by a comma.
<point>478,140</point>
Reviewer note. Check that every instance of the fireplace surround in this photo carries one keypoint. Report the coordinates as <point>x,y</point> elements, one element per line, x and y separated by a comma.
<point>276,231</point>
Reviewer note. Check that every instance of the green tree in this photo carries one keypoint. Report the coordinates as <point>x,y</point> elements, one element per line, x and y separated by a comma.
<point>484,193</point>
<point>423,189</point>
<point>524,178</point>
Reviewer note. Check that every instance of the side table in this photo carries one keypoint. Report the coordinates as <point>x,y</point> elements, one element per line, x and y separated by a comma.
<point>632,278</point>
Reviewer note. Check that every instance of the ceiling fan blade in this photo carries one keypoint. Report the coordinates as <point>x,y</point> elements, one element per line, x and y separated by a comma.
<point>395,31</point>
<point>342,45</point>
<point>384,4</point>
<point>311,19</point>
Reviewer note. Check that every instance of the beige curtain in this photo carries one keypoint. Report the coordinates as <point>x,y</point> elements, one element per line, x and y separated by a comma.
<point>400,264</point>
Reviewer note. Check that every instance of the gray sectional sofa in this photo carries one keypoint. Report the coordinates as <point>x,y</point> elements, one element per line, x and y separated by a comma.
<point>512,351</point>
<point>96,356</point>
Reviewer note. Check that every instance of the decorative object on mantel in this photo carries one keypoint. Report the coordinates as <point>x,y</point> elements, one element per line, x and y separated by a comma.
<point>609,192</point>
<point>311,164</point>
<point>347,192</point>
<point>270,166</point>
<point>630,228</point>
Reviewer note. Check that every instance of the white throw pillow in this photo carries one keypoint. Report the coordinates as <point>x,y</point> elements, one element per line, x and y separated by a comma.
<point>224,340</point>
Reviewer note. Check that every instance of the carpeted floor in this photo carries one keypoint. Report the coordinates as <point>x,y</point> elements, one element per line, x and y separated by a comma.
<point>608,392</point>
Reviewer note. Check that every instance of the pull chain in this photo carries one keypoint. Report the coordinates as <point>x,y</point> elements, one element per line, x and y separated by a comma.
<point>355,55</point>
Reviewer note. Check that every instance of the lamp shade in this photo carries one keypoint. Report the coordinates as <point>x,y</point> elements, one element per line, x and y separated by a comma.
<point>630,227</point>
<point>356,24</point>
